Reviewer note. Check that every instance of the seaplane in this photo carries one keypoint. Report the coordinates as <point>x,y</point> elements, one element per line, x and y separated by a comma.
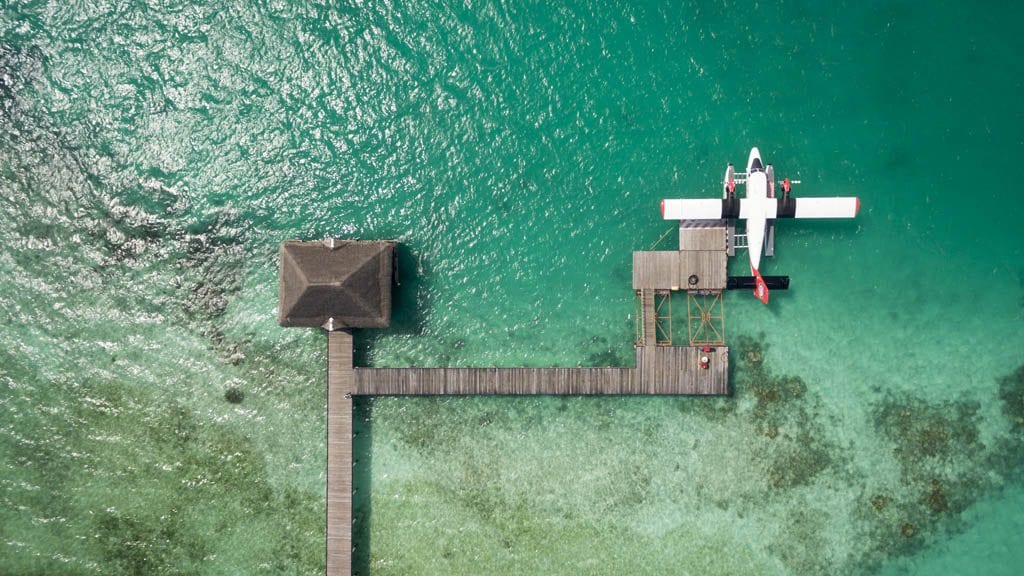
<point>759,208</point>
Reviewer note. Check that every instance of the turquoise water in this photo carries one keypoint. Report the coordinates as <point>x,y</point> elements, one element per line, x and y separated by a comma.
<point>156,420</point>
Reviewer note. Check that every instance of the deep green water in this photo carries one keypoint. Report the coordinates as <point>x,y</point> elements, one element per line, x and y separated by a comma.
<point>152,158</point>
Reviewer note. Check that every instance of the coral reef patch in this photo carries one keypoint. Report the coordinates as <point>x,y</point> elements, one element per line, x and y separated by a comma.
<point>768,459</point>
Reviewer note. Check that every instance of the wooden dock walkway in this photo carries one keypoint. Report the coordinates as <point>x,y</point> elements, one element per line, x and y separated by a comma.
<point>669,370</point>
<point>339,453</point>
<point>501,381</point>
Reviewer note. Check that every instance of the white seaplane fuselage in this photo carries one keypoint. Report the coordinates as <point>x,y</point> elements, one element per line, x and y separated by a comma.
<point>757,209</point>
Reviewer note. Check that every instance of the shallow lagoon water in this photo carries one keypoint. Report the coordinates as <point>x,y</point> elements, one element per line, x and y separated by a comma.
<point>156,420</point>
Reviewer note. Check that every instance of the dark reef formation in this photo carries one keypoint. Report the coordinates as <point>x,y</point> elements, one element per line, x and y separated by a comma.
<point>944,466</point>
<point>234,395</point>
<point>795,470</point>
<point>783,412</point>
<point>942,471</point>
<point>605,355</point>
<point>1011,392</point>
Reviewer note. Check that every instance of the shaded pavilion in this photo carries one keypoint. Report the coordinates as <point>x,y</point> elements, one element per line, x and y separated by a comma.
<point>336,284</point>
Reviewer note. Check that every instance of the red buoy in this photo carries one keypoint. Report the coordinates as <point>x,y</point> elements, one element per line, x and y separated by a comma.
<point>785,185</point>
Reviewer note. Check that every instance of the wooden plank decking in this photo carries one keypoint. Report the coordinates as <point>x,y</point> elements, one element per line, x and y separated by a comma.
<point>693,237</point>
<point>339,453</point>
<point>659,370</point>
<point>676,370</point>
<point>670,370</point>
<point>465,381</point>
<point>649,318</point>
<point>672,269</point>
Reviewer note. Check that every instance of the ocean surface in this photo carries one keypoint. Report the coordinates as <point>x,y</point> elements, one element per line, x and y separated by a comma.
<point>154,419</point>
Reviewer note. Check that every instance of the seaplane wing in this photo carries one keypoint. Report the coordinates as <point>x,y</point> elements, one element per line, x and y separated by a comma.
<point>744,208</point>
<point>843,207</point>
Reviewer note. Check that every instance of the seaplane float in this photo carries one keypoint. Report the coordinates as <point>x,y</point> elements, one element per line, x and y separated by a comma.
<point>759,208</point>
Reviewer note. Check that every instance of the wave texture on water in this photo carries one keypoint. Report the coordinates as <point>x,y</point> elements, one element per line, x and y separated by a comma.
<point>156,420</point>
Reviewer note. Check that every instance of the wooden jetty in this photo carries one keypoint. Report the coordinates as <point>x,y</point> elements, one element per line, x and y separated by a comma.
<point>669,370</point>
<point>339,452</point>
<point>341,285</point>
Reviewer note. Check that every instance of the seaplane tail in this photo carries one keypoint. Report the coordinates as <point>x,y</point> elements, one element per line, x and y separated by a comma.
<point>760,288</point>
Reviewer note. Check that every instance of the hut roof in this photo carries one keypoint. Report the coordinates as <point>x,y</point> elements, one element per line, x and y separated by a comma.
<point>336,284</point>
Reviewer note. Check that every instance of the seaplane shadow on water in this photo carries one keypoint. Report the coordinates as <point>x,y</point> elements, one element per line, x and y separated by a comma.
<point>759,208</point>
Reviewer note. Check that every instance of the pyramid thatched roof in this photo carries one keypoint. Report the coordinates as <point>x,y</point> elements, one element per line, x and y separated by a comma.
<point>336,284</point>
